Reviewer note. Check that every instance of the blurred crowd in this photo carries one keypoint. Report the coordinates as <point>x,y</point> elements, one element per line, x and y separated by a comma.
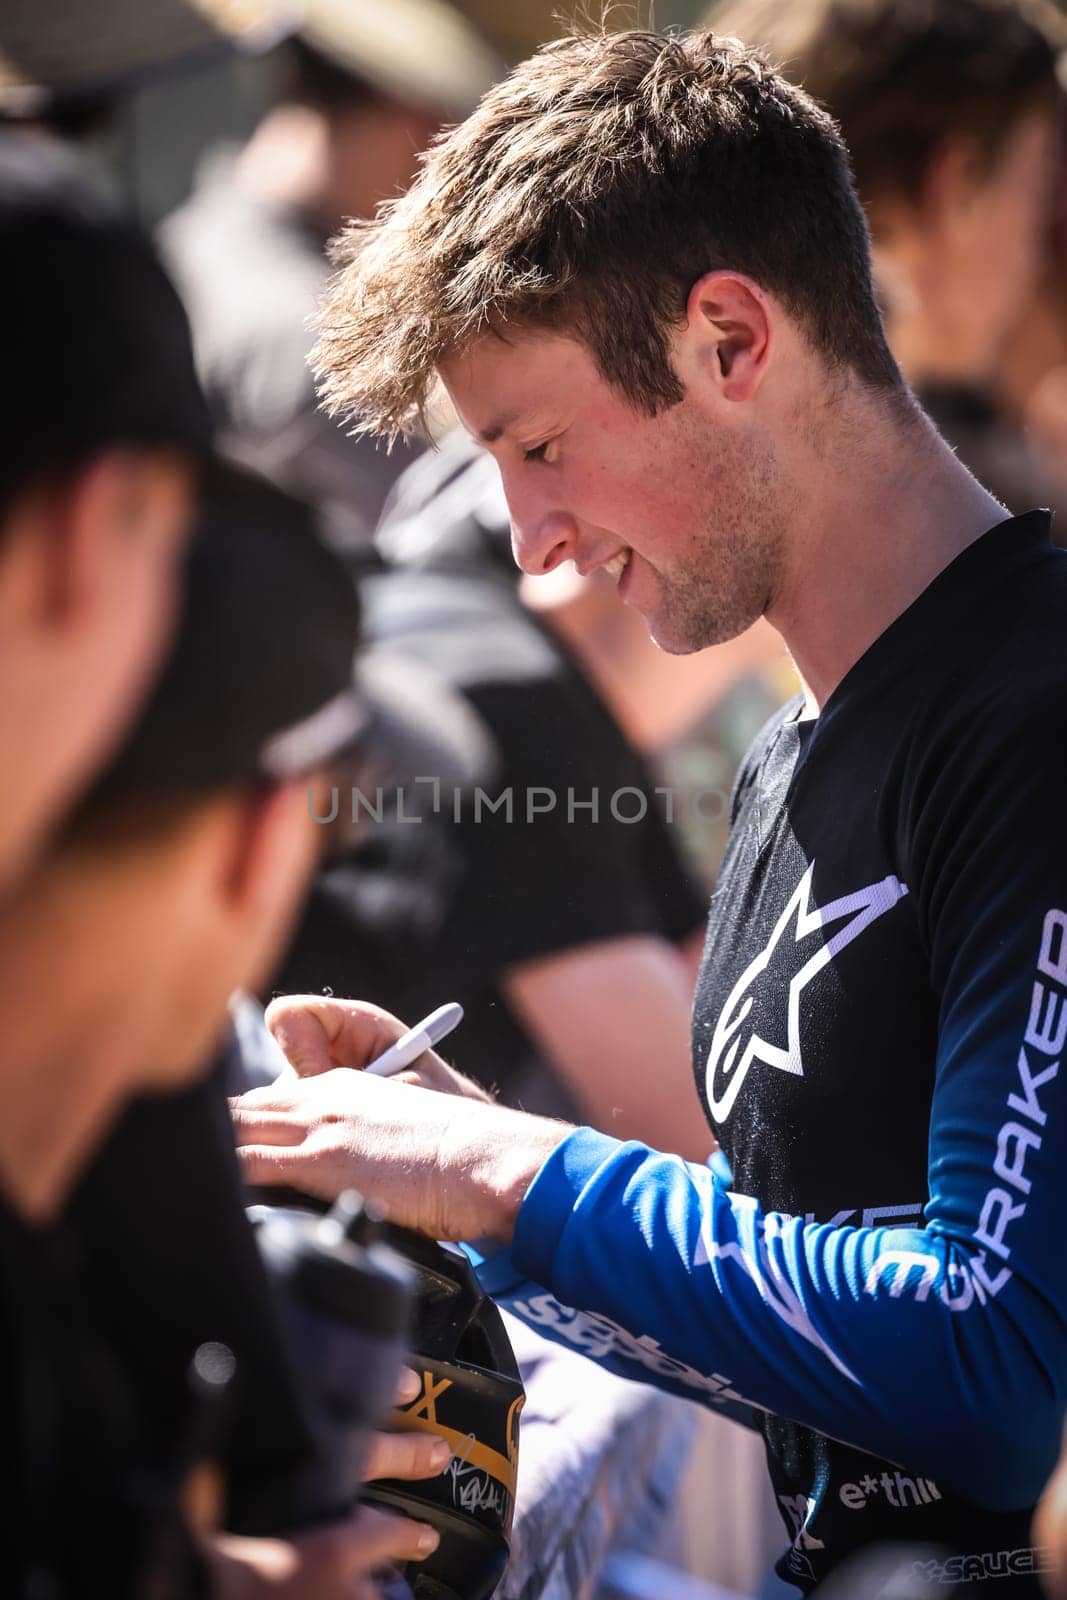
<point>279,714</point>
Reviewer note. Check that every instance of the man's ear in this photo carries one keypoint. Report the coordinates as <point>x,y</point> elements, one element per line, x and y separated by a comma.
<point>274,844</point>
<point>951,180</point>
<point>88,522</point>
<point>729,330</point>
<point>269,830</point>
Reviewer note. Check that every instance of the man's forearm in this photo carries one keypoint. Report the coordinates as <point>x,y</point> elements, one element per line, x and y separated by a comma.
<point>808,1320</point>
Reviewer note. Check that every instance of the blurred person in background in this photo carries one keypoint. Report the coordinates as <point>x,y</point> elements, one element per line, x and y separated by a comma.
<point>362,89</point>
<point>103,430</point>
<point>171,884</point>
<point>572,935</point>
<point>105,441</point>
<point>1031,383</point>
<point>953,117</point>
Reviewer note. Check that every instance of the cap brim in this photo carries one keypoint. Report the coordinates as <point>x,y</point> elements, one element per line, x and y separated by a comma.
<point>416,729</point>
<point>51,53</point>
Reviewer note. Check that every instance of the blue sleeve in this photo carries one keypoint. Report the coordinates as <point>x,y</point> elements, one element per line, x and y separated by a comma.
<point>944,1348</point>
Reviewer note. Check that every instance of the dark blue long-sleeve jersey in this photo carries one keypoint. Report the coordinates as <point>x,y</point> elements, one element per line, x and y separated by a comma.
<point>878,1033</point>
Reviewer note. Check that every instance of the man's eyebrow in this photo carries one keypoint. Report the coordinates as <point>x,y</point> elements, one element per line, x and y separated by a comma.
<point>491,434</point>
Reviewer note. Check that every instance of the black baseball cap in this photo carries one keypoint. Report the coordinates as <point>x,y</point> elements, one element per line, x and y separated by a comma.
<point>260,684</point>
<point>96,346</point>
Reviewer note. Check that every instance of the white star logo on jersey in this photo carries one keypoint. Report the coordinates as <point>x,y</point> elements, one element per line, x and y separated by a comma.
<point>732,1053</point>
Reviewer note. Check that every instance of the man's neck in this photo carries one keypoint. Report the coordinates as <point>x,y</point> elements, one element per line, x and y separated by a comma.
<point>887,508</point>
<point>61,1048</point>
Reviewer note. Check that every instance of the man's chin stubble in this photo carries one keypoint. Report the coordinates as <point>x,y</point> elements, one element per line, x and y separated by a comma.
<point>700,632</point>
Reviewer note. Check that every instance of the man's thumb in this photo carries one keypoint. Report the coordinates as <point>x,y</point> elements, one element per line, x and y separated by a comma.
<point>300,1026</point>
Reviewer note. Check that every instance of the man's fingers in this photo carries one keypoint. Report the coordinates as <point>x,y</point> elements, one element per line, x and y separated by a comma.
<point>406,1455</point>
<point>273,1163</point>
<point>264,1127</point>
<point>430,1072</point>
<point>408,1387</point>
<point>333,1563</point>
<point>317,1033</point>
<point>303,1025</point>
<point>373,1537</point>
<point>414,1076</point>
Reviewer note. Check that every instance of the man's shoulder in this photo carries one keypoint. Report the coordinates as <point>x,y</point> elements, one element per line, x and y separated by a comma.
<point>981,754</point>
<point>977,663</point>
<point>1011,618</point>
<point>1010,679</point>
<point>762,746</point>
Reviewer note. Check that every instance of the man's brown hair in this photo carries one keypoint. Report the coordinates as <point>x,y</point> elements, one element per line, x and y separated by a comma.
<point>586,195</point>
<point>902,76</point>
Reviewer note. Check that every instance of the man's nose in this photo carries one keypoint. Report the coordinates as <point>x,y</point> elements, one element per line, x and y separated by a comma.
<point>540,544</point>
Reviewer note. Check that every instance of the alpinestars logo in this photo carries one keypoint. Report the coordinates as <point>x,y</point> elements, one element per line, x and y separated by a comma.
<point>733,1048</point>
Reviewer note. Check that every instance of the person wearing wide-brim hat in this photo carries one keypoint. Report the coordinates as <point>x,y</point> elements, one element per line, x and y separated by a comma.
<point>58,59</point>
<point>360,90</point>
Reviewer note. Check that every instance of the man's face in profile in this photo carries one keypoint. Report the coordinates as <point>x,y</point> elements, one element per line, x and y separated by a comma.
<point>678,511</point>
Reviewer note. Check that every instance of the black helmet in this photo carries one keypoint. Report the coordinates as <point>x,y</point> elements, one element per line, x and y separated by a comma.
<point>472,1394</point>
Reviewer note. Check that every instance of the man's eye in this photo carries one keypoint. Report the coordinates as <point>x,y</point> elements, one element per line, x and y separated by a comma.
<point>537,453</point>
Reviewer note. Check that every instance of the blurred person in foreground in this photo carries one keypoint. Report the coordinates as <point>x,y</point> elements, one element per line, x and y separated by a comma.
<point>642,272</point>
<point>104,446</point>
<point>953,118</point>
<point>103,428</point>
<point>173,883</point>
<point>1031,384</point>
<point>361,90</point>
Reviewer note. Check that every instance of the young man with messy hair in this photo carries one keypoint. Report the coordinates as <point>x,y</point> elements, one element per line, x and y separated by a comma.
<point>641,271</point>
